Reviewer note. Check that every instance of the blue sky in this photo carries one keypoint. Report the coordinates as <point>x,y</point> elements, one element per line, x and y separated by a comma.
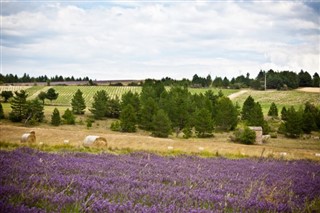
<point>155,39</point>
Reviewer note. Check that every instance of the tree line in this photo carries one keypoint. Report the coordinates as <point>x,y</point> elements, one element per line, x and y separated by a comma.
<point>281,80</point>
<point>163,112</point>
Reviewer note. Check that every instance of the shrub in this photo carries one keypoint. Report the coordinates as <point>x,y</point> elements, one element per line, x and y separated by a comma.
<point>55,117</point>
<point>68,117</point>
<point>245,136</point>
<point>115,126</point>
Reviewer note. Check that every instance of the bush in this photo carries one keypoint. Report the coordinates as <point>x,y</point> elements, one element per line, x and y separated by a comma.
<point>68,117</point>
<point>115,126</point>
<point>245,136</point>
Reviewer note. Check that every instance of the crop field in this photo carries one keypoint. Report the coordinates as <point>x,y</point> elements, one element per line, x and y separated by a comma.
<point>34,181</point>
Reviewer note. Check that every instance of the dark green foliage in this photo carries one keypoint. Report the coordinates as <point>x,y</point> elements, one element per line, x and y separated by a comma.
<point>201,82</point>
<point>89,122</point>
<point>1,112</point>
<point>52,94</point>
<point>203,123</point>
<point>100,104</point>
<point>78,103</point>
<point>245,136</point>
<point>68,117</point>
<point>128,119</point>
<point>273,111</point>
<point>6,95</point>
<point>293,124</point>
<point>147,112</point>
<point>226,117</point>
<point>114,108</point>
<point>316,80</point>
<point>19,106</point>
<point>305,79</point>
<point>115,126</point>
<point>284,113</point>
<point>310,116</point>
<point>247,108</point>
<point>161,124</point>
<point>187,132</point>
<point>35,111</point>
<point>132,99</point>
<point>55,117</point>
<point>42,96</point>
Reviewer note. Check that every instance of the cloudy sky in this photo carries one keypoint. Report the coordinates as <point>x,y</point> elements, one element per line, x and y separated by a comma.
<point>155,39</point>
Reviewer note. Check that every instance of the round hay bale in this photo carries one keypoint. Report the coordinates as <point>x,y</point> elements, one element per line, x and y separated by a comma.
<point>95,141</point>
<point>28,137</point>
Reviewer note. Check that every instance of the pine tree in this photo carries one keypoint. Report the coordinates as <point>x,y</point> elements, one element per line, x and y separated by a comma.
<point>114,108</point>
<point>55,117</point>
<point>6,95</point>
<point>247,108</point>
<point>1,112</point>
<point>52,94</point>
<point>100,104</point>
<point>128,119</point>
<point>161,124</point>
<point>35,112</point>
<point>284,113</point>
<point>148,109</point>
<point>68,117</point>
<point>293,124</point>
<point>78,103</point>
<point>226,117</point>
<point>19,106</point>
<point>42,96</point>
<point>203,123</point>
<point>273,111</point>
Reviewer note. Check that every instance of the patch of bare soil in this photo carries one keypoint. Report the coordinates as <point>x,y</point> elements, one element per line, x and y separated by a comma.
<point>310,89</point>
<point>234,95</point>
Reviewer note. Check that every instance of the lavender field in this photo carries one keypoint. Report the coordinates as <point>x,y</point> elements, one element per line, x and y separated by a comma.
<point>33,181</point>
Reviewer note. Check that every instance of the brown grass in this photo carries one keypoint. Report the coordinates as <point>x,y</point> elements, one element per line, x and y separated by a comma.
<point>220,144</point>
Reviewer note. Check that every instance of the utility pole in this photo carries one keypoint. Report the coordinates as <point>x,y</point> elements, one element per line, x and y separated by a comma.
<point>265,80</point>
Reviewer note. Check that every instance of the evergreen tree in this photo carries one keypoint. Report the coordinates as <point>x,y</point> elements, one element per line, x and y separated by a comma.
<point>68,117</point>
<point>100,104</point>
<point>161,124</point>
<point>132,99</point>
<point>284,113</point>
<point>273,111</point>
<point>293,124</point>
<point>6,95</point>
<point>203,123</point>
<point>247,108</point>
<point>226,117</point>
<point>310,116</point>
<point>78,103</point>
<point>52,94</point>
<point>42,96</point>
<point>147,112</point>
<point>55,117</point>
<point>128,119</point>
<point>1,112</point>
<point>34,111</point>
<point>316,80</point>
<point>114,108</point>
<point>19,106</point>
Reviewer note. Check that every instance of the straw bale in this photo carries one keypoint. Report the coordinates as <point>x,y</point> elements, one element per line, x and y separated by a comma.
<point>96,141</point>
<point>28,137</point>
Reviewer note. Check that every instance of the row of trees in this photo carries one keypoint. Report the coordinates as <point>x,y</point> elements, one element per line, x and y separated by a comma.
<point>10,78</point>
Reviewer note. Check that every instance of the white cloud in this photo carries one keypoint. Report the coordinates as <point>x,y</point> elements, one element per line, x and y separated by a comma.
<point>154,40</point>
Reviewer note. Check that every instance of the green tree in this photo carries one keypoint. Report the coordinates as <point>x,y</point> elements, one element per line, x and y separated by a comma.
<point>226,117</point>
<point>35,112</point>
<point>6,95</point>
<point>161,124</point>
<point>128,119</point>
<point>147,112</point>
<point>273,111</point>
<point>132,99</point>
<point>69,117</point>
<point>100,104</point>
<point>293,124</point>
<point>55,117</point>
<point>78,103</point>
<point>284,113</point>
<point>1,112</point>
<point>310,115</point>
<point>245,136</point>
<point>316,80</point>
<point>247,108</point>
<point>114,108</point>
<point>203,123</point>
<point>19,106</point>
<point>42,96</point>
<point>52,94</point>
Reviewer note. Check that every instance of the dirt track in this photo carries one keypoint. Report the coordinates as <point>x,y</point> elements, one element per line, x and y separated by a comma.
<point>310,89</point>
<point>234,95</point>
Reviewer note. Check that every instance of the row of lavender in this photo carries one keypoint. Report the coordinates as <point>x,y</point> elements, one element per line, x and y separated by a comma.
<point>32,181</point>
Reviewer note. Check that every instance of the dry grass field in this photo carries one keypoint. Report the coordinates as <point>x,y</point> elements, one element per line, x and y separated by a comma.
<point>220,145</point>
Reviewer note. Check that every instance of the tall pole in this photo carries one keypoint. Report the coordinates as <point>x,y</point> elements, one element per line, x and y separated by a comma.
<point>265,80</point>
